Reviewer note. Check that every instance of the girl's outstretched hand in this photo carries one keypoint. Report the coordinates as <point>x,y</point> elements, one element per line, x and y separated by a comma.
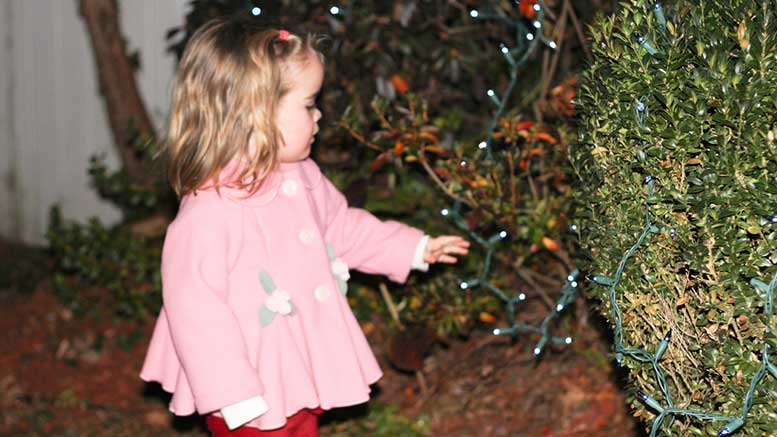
<point>440,249</point>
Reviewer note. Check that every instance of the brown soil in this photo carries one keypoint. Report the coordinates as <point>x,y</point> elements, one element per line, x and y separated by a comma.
<point>77,376</point>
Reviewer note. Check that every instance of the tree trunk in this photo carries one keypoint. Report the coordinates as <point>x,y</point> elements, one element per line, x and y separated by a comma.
<point>126,111</point>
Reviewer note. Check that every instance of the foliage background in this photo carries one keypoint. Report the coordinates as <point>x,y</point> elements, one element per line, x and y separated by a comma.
<point>401,77</point>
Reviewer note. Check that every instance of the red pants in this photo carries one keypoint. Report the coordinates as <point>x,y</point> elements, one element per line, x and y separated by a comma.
<point>302,424</point>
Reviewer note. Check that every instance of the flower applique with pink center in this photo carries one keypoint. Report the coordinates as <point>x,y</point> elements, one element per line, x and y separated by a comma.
<point>277,302</point>
<point>340,269</point>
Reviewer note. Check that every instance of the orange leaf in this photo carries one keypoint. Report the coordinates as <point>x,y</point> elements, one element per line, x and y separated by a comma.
<point>399,146</point>
<point>526,7</point>
<point>524,125</point>
<point>536,151</point>
<point>436,149</point>
<point>486,317</point>
<point>550,244</point>
<point>524,164</point>
<point>400,84</point>
<point>379,161</point>
<point>441,172</point>
<point>545,137</point>
<point>558,182</point>
<point>429,136</point>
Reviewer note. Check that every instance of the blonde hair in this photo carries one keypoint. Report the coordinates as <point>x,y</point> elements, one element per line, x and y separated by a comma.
<point>228,86</point>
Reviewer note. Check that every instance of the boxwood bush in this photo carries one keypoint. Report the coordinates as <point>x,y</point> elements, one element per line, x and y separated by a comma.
<point>685,94</point>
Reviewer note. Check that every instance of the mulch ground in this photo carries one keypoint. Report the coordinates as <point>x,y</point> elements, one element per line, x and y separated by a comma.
<point>67,375</point>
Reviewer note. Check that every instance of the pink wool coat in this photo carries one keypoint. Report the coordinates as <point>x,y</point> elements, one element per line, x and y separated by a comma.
<point>254,297</point>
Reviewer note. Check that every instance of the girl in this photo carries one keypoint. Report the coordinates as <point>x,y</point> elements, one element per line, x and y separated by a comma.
<point>255,330</point>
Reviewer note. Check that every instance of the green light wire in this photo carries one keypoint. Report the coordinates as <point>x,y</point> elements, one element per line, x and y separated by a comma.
<point>641,355</point>
<point>569,289</point>
<point>522,34</point>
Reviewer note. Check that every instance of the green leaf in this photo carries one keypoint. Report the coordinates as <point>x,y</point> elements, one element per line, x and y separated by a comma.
<point>267,283</point>
<point>330,251</point>
<point>265,316</point>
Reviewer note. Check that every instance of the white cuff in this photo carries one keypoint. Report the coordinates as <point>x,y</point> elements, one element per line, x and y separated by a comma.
<point>237,415</point>
<point>418,257</point>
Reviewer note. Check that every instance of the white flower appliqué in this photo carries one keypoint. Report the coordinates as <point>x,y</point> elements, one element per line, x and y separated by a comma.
<point>340,269</point>
<point>279,302</point>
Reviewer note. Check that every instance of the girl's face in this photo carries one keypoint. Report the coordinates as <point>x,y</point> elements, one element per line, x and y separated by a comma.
<point>298,116</point>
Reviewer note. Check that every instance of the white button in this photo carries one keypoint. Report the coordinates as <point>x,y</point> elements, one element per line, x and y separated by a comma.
<point>289,187</point>
<point>306,236</point>
<point>321,292</point>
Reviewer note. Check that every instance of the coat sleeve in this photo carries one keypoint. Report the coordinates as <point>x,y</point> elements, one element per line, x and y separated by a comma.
<point>205,332</point>
<point>366,243</point>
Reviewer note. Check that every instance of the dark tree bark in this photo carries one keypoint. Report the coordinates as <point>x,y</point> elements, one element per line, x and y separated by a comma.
<point>126,111</point>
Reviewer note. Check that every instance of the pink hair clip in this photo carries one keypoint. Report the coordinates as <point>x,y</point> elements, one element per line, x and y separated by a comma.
<point>283,34</point>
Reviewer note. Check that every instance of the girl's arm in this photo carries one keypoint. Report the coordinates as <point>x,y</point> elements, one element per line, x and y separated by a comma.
<point>205,332</point>
<point>365,243</point>
<point>391,248</point>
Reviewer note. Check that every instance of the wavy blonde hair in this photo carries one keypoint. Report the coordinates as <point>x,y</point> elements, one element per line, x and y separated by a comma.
<point>228,86</point>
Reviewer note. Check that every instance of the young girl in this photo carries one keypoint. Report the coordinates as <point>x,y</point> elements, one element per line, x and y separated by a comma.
<point>255,330</point>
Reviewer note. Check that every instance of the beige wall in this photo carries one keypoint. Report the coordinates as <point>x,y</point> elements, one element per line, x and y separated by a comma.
<point>52,117</point>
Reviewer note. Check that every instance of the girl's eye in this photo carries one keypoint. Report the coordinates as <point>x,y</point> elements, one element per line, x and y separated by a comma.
<point>310,107</point>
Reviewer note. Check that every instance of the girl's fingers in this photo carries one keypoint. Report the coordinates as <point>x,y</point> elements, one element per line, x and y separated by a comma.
<point>447,259</point>
<point>454,239</point>
<point>448,240</point>
<point>439,248</point>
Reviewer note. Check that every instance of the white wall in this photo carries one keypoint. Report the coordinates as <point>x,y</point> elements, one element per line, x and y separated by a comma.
<point>53,118</point>
<point>8,208</point>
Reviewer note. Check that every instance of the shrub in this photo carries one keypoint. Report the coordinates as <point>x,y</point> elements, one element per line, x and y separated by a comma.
<point>119,267</point>
<point>698,117</point>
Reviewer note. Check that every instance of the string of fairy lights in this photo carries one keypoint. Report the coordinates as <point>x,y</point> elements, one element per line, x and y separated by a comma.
<point>528,39</point>
<point>667,411</point>
<point>567,295</point>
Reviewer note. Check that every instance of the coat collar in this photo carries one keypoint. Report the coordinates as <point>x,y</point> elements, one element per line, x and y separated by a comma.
<point>305,171</point>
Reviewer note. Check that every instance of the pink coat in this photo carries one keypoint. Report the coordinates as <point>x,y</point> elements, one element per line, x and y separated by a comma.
<point>254,298</point>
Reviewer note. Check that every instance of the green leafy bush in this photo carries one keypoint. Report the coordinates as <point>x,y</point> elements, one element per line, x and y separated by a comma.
<point>94,263</point>
<point>698,117</point>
